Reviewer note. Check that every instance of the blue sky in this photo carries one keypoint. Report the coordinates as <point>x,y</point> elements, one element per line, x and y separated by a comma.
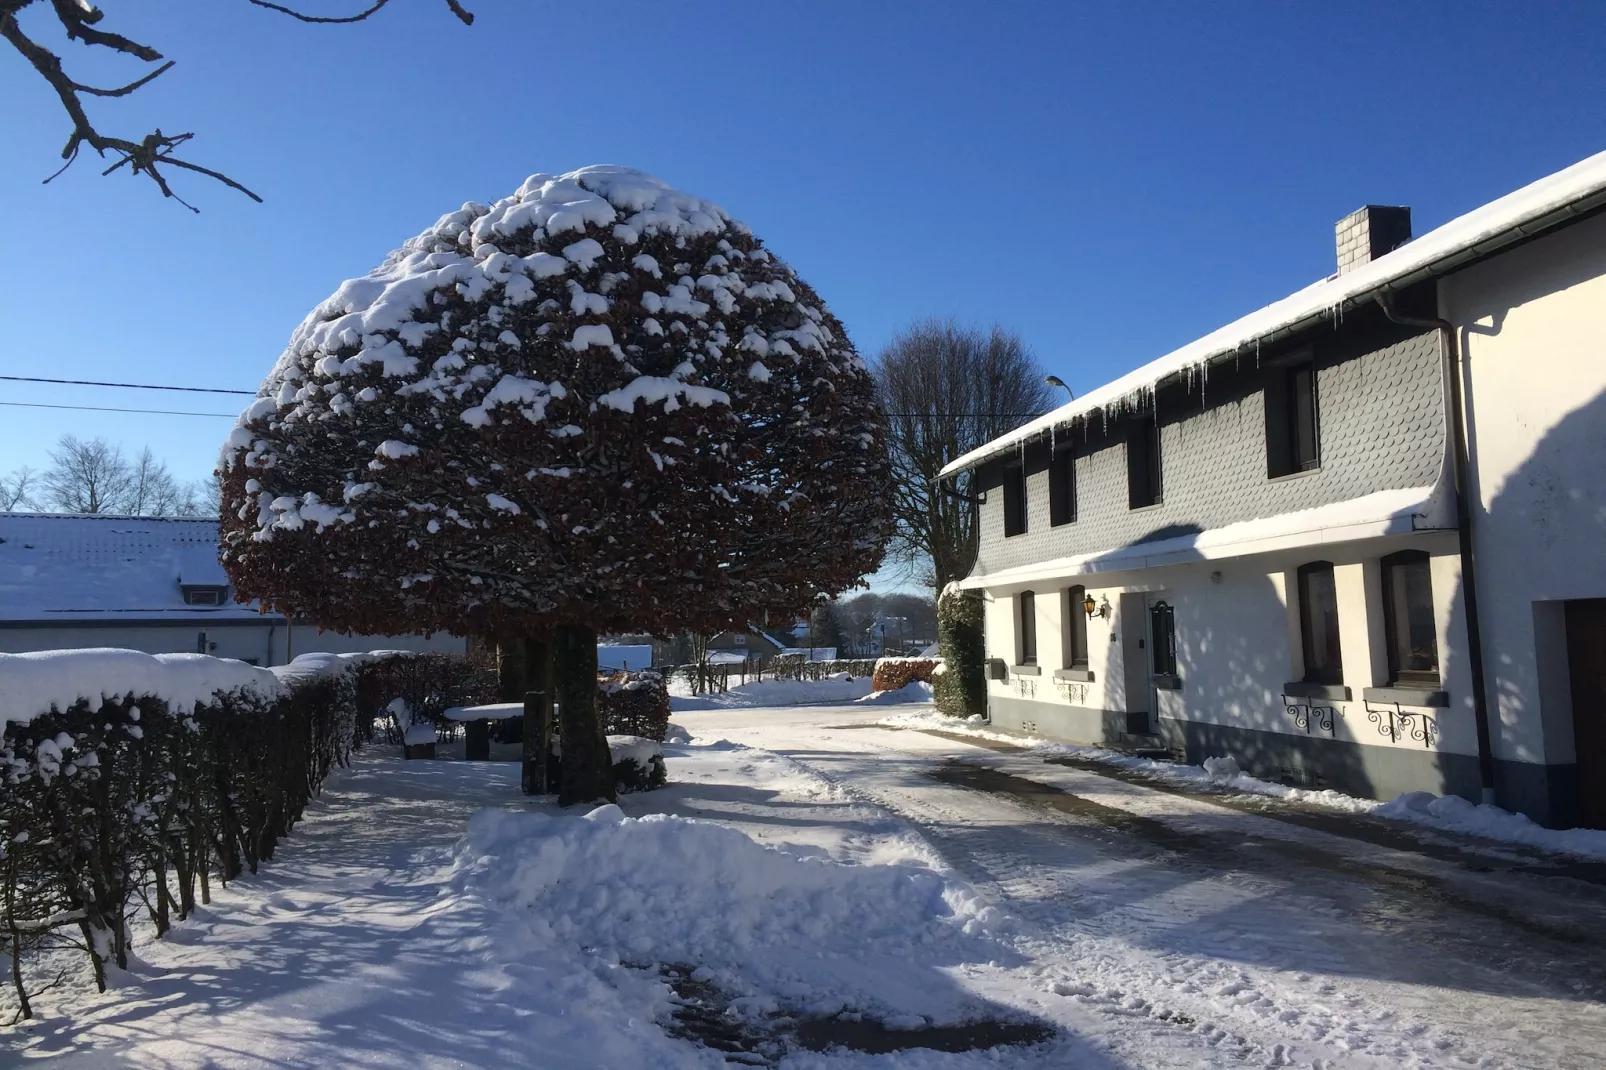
<point>1109,180</point>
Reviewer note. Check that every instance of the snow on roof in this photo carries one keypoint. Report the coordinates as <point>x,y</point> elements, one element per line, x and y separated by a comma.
<point>97,568</point>
<point>460,249</point>
<point>1532,208</point>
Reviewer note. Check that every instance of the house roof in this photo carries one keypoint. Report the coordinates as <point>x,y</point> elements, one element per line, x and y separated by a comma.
<point>56,567</point>
<point>1549,202</point>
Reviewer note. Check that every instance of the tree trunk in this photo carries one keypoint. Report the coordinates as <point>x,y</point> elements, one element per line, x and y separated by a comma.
<point>537,699</point>
<point>477,741</point>
<point>587,774</point>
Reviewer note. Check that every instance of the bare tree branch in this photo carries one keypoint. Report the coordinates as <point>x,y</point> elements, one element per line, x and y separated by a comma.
<point>148,155</point>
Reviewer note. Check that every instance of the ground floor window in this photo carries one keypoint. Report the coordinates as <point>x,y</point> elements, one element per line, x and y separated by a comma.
<point>1075,628</point>
<point>1410,629</point>
<point>1028,627</point>
<point>1318,624</point>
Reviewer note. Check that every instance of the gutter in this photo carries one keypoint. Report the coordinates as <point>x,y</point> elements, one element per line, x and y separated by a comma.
<point>1452,365</point>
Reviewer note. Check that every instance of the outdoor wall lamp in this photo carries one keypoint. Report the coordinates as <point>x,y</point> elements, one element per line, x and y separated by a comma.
<point>1094,609</point>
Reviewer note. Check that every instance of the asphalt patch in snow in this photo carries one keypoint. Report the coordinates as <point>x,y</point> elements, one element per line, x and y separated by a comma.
<point>702,1016</point>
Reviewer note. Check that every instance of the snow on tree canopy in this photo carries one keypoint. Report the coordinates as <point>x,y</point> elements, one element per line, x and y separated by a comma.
<point>598,401</point>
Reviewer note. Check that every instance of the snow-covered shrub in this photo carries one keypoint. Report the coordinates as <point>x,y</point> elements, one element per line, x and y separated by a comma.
<point>638,763</point>
<point>634,704</point>
<point>598,401</point>
<point>113,794</point>
<point>960,690</point>
<point>891,674</point>
<point>598,404</point>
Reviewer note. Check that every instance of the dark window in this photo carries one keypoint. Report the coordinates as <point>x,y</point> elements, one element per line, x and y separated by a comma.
<point>1408,623</point>
<point>1075,629</point>
<point>1163,633</point>
<point>1028,627</point>
<point>1292,441</point>
<point>1062,486</point>
<point>204,596</point>
<point>1318,624</point>
<point>1015,500</point>
<point>1143,464</point>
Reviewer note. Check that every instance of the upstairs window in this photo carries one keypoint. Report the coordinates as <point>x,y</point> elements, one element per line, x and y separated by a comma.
<point>1408,623</point>
<point>1026,604</point>
<point>1062,486</point>
<point>1014,500</point>
<point>1075,628</point>
<point>1292,441</point>
<point>1143,464</point>
<point>1318,624</point>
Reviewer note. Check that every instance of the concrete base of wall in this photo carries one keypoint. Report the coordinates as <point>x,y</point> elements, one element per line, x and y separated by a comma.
<point>1546,793</point>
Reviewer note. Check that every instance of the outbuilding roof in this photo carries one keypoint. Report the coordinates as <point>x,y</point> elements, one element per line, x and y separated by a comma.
<point>1549,202</point>
<point>56,567</point>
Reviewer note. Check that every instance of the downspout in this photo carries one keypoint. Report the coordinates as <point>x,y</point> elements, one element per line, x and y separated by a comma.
<point>271,625</point>
<point>1451,357</point>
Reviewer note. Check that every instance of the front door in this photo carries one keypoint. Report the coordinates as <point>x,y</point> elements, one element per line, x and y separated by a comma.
<point>1586,660</point>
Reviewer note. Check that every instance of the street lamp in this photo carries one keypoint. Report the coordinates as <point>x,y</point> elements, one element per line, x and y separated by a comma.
<point>1054,380</point>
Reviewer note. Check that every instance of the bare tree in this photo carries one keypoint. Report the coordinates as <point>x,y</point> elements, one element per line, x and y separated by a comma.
<point>79,20</point>
<point>89,477</point>
<point>948,389</point>
<point>17,490</point>
<point>155,492</point>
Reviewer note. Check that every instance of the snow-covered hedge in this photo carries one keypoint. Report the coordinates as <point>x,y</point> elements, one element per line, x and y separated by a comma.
<point>798,667</point>
<point>634,704</point>
<point>638,763</point>
<point>132,778</point>
<point>892,674</point>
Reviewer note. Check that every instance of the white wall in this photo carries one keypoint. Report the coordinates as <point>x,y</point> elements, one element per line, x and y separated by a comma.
<point>1238,640</point>
<point>1532,326</point>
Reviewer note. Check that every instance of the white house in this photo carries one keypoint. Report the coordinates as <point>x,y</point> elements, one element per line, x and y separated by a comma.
<point>145,583</point>
<point>1354,539</point>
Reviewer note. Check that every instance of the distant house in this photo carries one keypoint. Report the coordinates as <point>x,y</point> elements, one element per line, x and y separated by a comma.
<point>1353,539</point>
<point>145,583</point>
<point>753,645</point>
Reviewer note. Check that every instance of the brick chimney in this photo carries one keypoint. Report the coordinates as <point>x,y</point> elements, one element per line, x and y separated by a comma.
<point>1369,232</point>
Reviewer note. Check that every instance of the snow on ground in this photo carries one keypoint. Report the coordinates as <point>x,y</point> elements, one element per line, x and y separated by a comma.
<point>1450,813</point>
<point>1169,929</point>
<point>770,693</point>
<point>822,861</point>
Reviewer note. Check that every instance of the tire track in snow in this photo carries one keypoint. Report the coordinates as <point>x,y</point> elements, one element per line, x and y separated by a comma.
<point>1218,988</point>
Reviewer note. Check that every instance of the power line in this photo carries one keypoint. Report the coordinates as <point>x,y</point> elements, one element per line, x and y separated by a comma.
<point>126,386</point>
<point>252,393</point>
<point>104,408</point>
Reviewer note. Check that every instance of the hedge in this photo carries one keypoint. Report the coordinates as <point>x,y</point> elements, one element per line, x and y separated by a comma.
<point>122,797</point>
<point>634,704</point>
<point>894,673</point>
<point>960,689</point>
<point>798,667</point>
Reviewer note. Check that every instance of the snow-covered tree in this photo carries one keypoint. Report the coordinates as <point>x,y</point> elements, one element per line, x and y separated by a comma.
<point>598,404</point>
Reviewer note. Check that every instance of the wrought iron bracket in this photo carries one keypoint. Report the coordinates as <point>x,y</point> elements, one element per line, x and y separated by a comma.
<point>1394,723</point>
<point>1307,713</point>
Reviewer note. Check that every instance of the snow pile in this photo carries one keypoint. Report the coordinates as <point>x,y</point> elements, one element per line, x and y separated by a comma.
<point>638,749</point>
<point>30,684</point>
<point>663,888</point>
<point>1455,814</point>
